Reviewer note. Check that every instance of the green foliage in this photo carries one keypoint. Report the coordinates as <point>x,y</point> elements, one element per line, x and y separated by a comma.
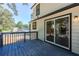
<point>6,20</point>
<point>7,23</point>
<point>26,26</point>
<point>20,25</point>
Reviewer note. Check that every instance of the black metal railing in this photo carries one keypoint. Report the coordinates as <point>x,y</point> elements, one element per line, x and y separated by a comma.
<point>12,37</point>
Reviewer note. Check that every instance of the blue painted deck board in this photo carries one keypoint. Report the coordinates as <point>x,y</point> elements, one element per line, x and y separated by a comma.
<point>33,48</point>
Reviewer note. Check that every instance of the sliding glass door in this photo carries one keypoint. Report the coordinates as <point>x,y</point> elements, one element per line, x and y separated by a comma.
<point>57,31</point>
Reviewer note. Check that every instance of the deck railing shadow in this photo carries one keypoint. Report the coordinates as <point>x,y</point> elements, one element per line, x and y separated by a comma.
<point>13,37</point>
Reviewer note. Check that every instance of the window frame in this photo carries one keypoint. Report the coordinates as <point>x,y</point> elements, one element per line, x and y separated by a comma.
<point>34,25</point>
<point>38,10</point>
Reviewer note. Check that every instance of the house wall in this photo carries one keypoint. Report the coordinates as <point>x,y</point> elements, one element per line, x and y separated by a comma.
<point>46,8</point>
<point>75,27</point>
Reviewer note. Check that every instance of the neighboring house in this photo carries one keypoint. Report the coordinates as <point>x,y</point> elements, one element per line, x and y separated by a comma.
<point>16,29</point>
<point>57,23</point>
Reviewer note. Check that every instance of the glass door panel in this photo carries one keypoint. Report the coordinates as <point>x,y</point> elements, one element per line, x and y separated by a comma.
<point>50,31</point>
<point>62,31</point>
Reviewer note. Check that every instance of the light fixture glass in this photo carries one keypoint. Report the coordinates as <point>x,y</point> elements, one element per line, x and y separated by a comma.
<point>76,18</point>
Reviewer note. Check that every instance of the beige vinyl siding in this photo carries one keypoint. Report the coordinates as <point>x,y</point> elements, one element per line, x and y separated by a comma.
<point>51,7</point>
<point>75,35</point>
<point>41,29</point>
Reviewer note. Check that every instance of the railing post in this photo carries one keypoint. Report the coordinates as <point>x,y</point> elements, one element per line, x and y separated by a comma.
<point>36,35</point>
<point>24,36</point>
<point>1,39</point>
<point>30,34</point>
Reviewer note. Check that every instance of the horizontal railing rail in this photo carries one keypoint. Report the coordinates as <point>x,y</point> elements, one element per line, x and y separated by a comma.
<point>12,37</point>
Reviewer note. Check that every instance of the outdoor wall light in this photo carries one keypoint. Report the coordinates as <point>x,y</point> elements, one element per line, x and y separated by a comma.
<point>76,18</point>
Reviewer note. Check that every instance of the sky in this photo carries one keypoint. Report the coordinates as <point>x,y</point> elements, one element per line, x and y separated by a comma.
<point>24,13</point>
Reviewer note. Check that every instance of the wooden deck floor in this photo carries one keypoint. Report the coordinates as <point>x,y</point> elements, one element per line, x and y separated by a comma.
<point>33,48</point>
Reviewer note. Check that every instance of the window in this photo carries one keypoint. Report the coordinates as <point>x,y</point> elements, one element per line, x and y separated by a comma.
<point>34,25</point>
<point>37,9</point>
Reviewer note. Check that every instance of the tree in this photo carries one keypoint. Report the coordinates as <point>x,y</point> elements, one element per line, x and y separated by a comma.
<point>19,25</point>
<point>6,20</point>
<point>25,26</point>
<point>12,6</point>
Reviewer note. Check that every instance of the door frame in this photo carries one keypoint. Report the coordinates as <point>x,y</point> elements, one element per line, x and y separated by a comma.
<point>70,30</point>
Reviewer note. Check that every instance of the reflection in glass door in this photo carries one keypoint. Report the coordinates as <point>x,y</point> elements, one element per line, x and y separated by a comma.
<point>50,31</point>
<point>62,31</point>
